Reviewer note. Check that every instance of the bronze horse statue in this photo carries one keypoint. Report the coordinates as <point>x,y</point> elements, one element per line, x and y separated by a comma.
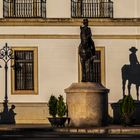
<point>86,52</point>
<point>132,75</point>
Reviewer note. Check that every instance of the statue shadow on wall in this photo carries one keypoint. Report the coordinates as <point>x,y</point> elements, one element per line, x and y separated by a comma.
<point>130,75</point>
<point>7,116</point>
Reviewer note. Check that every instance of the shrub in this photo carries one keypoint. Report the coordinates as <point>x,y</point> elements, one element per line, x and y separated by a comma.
<point>61,106</point>
<point>127,108</point>
<point>52,104</point>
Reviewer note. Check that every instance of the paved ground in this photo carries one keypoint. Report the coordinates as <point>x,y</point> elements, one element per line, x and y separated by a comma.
<point>43,132</point>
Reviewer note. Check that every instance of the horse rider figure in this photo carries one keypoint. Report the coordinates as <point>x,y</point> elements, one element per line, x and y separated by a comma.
<point>86,52</point>
<point>132,57</point>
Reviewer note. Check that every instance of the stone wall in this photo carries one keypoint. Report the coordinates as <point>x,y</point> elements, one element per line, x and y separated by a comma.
<point>30,113</point>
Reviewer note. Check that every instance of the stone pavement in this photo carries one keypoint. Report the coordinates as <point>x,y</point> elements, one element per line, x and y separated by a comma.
<point>43,132</point>
<point>111,129</point>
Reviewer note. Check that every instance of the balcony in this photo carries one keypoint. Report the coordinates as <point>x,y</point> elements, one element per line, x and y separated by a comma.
<point>91,9</point>
<point>24,8</point>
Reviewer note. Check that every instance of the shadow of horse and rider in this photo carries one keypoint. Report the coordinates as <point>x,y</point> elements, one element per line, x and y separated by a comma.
<point>131,73</point>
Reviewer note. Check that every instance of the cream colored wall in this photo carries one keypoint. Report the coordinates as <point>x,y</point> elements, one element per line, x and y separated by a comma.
<point>62,9</point>
<point>67,30</point>
<point>124,8</point>
<point>58,9</point>
<point>138,8</point>
<point>57,68</point>
<point>58,59</point>
<point>117,54</point>
<point>1,8</point>
<point>29,113</point>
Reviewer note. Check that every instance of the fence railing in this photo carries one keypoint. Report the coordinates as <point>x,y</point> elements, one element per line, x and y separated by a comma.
<point>24,8</point>
<point>90,9</point>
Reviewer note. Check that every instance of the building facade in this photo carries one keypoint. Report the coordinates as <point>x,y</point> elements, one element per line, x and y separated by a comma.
<point>45,35</point>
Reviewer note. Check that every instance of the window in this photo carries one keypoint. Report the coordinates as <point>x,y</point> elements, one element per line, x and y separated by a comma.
<point>24,72</point>
<point>24,8</point>
<point>92,8</point>
<point>99,66</point>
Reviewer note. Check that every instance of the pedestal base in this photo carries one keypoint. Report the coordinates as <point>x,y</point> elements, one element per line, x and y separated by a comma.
<point>87,104</point>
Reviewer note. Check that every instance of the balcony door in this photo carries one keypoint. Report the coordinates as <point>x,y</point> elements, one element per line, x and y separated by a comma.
<point>92,8</point>
<point>24,8</point>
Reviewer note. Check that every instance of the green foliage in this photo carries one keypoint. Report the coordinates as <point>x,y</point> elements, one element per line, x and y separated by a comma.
<point>52,106</point>
<point>57,106</point>
<point>61,106</point>
<point>127,106</point>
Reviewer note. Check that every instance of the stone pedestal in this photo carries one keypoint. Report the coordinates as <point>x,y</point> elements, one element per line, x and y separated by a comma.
<point>87,104</point>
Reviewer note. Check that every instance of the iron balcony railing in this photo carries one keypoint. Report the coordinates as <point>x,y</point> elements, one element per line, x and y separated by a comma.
<point>91,9</point>
<point>24,8</point>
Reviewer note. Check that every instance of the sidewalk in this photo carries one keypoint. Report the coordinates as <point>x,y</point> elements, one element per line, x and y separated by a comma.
<point>111,129</point>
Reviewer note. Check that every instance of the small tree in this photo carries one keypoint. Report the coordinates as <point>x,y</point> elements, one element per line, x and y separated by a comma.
<point>127,108</point>
<point>52,106</point>
<point>61,106</point>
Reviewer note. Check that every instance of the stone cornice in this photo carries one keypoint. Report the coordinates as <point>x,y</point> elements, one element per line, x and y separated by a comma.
<point>68,22</point>
<point>56,36</point>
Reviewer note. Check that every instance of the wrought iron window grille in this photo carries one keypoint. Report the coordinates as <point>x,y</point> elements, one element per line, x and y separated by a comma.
<point>24,76</point>
<point>24,8</point>
<point>91,9</point>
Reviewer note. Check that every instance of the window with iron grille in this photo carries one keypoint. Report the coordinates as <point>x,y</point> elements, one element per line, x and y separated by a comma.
<point>24,75</point>
<point>98,67</point>
<point>24,8</point>
<point>92,8</point>
<point>25,71</point>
